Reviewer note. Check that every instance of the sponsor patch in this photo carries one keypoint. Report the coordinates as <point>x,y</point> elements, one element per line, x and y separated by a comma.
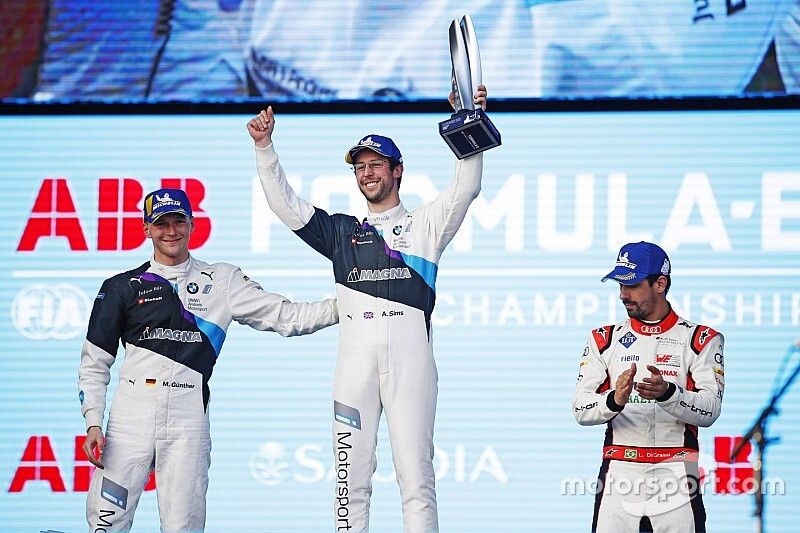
<point>627,339</point>
<point>113,493</point>
<point>346,415</point>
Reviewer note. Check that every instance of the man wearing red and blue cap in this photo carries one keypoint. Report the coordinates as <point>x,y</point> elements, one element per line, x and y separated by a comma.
<point>171,315</point>
<point>385,267</point>
<point>652,379</point>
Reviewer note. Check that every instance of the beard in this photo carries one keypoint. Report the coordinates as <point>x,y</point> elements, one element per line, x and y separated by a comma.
<point>378,195</point>
<point>636,312</point>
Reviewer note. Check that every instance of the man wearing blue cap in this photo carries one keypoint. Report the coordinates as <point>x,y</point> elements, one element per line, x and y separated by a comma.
<point>385,269</point>
<point>171,314</point>
<point>653,379</point>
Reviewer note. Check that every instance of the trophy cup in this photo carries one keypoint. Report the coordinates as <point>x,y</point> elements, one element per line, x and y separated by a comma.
<point>468,131</point>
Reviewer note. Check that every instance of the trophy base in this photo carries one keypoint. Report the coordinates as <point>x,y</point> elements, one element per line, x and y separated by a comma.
<point>469,132</point>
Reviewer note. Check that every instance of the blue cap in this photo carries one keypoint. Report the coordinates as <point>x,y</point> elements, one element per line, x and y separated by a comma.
<point>377,143</point>
<point>165,201</point>
<point>636,261</point>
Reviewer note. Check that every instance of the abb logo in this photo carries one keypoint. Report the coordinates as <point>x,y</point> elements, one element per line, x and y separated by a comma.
<point>39,463</point>
<point>119,221</point>
<point>732,477</point>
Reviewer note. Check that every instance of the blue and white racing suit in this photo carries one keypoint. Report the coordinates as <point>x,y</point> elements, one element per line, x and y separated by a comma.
<point>172,321</point>
<point>385,269</point>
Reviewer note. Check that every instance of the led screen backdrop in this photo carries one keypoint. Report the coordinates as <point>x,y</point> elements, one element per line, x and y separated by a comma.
<point>211,50</point>
<point>518,292</point>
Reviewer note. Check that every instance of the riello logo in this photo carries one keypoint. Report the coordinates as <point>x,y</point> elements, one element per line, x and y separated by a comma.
<point>119,215</point>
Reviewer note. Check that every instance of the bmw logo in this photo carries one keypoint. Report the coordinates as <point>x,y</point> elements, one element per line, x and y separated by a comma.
<point>397,230</point>
<point>192,288</point>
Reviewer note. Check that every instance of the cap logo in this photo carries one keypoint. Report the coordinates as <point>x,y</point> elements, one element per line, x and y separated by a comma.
<point>625,277</point>
<point>665,267</point>
<point>623,261</point>
<point>369,142</point>
<point>165,200</point>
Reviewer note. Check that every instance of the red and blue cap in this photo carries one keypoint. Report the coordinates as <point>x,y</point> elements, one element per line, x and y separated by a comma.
<point>378,144</point>
<point>165,201</point>
<point>636,261</point>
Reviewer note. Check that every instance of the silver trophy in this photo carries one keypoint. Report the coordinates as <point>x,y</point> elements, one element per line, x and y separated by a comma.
<point>469,130</point>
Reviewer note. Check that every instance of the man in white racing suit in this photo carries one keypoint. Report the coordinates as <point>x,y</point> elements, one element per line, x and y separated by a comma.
<point>385,268</point>
<point>653,379</point>
<point>171,314</point>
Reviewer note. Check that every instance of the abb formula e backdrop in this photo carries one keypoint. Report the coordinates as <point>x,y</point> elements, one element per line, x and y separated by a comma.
<point>518,293</point>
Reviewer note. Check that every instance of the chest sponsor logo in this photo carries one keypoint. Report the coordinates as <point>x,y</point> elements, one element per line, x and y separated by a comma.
<point>669,373</point>
<point>667,359</point>
<point>362,235</point>
<point>150,299</point>
<point>356,276</point>
<point>632,358</point>
<point>397,230</point>
<point>170,335</point>
<point>369,315</point>
<point>194,304</point>
<point>627,339</point>
<point>400,243</point>
<point>192,288</point>
<point>650,330</point>
<point>156,288</point>
<point>668,342</point>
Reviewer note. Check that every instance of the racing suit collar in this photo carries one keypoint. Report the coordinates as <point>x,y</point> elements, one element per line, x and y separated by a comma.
<point>378,218</point>
<point>171,272</point>
<point>654,328</point>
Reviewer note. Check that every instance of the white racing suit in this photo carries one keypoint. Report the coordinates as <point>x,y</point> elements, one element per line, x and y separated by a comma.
<point>172,322</point>
<point>649,466</point>
<point>385,271</point>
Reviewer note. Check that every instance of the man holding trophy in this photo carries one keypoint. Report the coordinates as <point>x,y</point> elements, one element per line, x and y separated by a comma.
<point>385,267</point>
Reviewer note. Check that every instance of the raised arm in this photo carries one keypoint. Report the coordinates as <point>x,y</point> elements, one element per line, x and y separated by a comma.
<point>448,209</point>
<point>292,210</point>
<point>311,224</point>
